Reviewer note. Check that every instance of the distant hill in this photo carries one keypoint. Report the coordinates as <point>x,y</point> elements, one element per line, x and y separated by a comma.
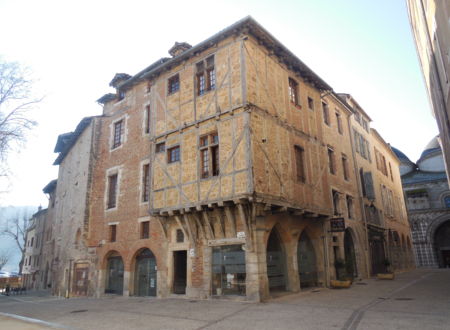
<point>7,243</point>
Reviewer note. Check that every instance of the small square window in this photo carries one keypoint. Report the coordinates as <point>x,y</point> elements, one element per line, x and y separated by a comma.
<point>173,84</point>
<point>160,147</point>
<point>173,154</point>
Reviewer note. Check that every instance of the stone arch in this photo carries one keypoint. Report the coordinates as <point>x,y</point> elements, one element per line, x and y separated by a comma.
<point>441,244</point>
<point>276,260</point>
<point>114,266</point>
<point>306,260</point>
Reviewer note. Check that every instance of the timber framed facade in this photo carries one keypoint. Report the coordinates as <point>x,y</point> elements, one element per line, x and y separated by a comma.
<point>217,173</point>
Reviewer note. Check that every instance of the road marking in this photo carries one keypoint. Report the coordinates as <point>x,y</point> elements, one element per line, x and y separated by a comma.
<point>35,321</point>
<point>356,317</point>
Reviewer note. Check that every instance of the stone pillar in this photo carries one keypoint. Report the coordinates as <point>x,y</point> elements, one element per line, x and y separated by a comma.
<point>126,283</point>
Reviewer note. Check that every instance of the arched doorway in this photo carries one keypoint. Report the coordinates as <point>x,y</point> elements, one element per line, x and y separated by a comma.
<point>276,267</point>
<point>442,244</point>
<point>350,255</point>
<point>306,259</point>
<point>114,274</point>
<point>145,274</point>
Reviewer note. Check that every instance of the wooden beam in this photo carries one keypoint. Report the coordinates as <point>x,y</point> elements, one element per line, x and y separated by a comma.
<point>208,224</point>
<point>163,227</point>
<point>199,224</point>
<point>177,218</point>
<point>219,219</point>
<point>230,216</point>
<point>192,233</point>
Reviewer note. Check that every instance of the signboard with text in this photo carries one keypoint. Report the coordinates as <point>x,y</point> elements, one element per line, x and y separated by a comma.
<point>337,225</point>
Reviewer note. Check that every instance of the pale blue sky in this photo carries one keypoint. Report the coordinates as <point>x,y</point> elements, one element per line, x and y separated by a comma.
<point>363,47</point>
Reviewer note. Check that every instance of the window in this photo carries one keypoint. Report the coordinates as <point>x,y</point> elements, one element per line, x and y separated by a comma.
<point>326,113</point>
<point>365,125</point>
<point>390,172</point>
<point>349,200</point>
<point>331,161</point>
<point>361,145</point>
<point>121,95</point>
<point>310,103</point>
<point>118,130</point>
<point>173,84</point>
<point>447,201</point>
<point>112,191</point>
<point>145,182</point>
<point>345,166</point>
<point>112,233</point>
<point>206,76</point>
<point>381,162</point>
<point>148,88</point>
<point>335,202</point>
<point>209,155</point>
<point>228,270</point>
<point>32,241</point>
<point>145,229</point>
<point>180,236</point>
<point>339,123</point>
<point>160,147</point>
<point>293,91</point>
<point>300,163</point>
<point>147,119</point>
<point>173,154</point>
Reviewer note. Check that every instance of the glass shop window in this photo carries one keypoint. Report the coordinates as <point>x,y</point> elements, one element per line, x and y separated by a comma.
<point>228,270</point>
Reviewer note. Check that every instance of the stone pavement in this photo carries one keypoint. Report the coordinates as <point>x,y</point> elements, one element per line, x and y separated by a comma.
<point>415,300</point>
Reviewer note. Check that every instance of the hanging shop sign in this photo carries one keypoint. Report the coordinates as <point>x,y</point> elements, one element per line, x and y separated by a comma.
<point>337,225</point>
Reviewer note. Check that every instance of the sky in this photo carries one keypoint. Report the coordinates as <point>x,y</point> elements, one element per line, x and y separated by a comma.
<point>74,48</point>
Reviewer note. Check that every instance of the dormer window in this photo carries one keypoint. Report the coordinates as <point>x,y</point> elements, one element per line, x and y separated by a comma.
<point>121,95</point>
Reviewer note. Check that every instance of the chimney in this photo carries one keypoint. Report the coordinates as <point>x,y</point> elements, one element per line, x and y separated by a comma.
<point>178,48</point>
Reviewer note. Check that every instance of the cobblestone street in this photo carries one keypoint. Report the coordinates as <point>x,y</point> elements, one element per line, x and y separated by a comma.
<point>414,300</point>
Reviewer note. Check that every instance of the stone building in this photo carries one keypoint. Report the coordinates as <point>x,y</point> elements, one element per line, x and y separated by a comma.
<point>427,198</point>
<point>430,27</point>
<point>228,169</point>
<point>72,262</point>
<point>31,270</point>
<point>220,168</point>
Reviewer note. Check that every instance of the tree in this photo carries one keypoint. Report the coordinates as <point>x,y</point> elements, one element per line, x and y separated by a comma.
<point>16,228</point>
<point>15,102</point>
<point>5,254</point>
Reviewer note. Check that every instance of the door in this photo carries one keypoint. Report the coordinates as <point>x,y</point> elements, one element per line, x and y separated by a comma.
<point>80,280</point>
<point>145,274</point>
<point>306,258</point>
<point>180,272</point>
<point>275,263</point>
<point>114,277</point>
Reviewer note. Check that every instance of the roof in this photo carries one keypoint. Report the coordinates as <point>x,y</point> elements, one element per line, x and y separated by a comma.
<point>401,155</point>
<point>345,96</point>
<point>423,176</point>
<point>50,187</point>
<point>245,25</point>
<point>106,98</point>
<point>62,141</point>
<point>73,138</point>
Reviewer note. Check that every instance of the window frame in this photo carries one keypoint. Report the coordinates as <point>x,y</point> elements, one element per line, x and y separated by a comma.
<point>172,149</point>
<point>345,170</point>
<point>147,121</point>
<point>117,133</point>
<point>299,155</point>
<point>160,147</point>
<point>310,103</point>
<point>113,184</point>
<point>209,155</point>
<point>293,91</point>
<point>339,123</point>
<point>144,229</point>
<point>205,75</point>
<point>326,113</point>
<point>145,195</point>
<point>331,160</point>
<point>113,233</point>
<point>173,84</point>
